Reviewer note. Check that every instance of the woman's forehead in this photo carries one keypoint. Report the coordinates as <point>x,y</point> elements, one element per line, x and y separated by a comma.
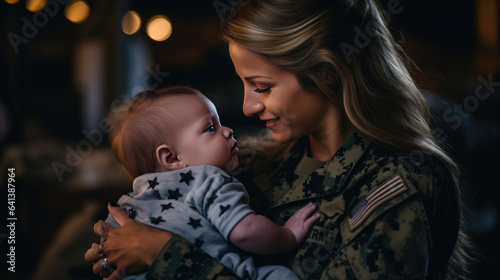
<point>249,64</point>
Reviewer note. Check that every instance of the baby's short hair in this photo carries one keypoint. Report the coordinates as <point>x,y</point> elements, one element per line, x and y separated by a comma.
<point>138,127</point>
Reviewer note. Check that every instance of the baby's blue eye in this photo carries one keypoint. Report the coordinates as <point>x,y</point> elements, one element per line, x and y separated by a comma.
<point>210,128</point>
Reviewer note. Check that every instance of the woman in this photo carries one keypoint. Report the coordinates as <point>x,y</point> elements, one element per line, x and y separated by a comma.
<point>351,135</point>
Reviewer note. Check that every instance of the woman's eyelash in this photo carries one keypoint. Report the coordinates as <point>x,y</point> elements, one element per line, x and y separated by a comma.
<point>262,90</point>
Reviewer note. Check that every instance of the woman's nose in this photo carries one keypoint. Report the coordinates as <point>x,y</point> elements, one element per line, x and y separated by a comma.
<point>252,103</point>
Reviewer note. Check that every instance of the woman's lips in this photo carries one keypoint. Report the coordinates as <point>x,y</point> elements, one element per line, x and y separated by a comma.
<point>271,123</point>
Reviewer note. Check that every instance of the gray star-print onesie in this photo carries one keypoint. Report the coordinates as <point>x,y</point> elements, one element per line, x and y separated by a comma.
<point>202,204</point>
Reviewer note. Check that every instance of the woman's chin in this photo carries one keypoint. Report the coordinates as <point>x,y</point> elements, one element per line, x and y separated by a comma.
<point>282,138</point>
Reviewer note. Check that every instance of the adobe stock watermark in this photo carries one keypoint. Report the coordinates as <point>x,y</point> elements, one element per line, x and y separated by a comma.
<point>31,27</point>
<point>455,117</point>
<point>362,38</point>
<point>95,137</point>
<point>224,7</point>
<point>470,104</point>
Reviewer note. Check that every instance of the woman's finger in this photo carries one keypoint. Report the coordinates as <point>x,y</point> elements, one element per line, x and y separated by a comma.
<point>119,214</point>
<point>99,269</point>
<point>91,255</point>
<point>116,275</point>
<point>100,227</point>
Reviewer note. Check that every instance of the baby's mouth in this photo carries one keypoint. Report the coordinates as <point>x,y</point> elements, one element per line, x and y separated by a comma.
<point>234,148</point>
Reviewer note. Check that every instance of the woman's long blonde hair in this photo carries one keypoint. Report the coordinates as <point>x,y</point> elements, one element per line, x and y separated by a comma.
<point>344,50</point>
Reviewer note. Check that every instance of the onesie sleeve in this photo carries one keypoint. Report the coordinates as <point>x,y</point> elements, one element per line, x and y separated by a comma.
<point>226,204</point>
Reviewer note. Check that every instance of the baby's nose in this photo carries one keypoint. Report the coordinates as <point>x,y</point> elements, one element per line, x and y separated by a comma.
<point>228,133</point>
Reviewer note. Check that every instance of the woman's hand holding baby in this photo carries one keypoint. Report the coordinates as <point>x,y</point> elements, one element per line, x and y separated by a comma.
<point>130,249</point>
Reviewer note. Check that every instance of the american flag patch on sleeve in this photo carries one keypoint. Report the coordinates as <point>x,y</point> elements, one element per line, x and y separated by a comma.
<point>388,190</point>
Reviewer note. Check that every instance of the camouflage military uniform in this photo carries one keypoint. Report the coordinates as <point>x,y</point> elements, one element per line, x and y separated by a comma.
<point>384,215</point>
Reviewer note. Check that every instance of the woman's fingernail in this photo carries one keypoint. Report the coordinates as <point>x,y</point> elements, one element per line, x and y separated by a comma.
<point>112,203</point>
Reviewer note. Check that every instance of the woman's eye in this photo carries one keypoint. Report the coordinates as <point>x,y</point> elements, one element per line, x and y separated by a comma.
<point>262,90</point>
<point>210,128</point>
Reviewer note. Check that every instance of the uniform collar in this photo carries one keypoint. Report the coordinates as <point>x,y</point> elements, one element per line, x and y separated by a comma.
<point>340,166</point>
<point>332,176</point>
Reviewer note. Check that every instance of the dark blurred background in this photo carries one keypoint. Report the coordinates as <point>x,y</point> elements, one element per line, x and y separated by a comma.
<point>65,63</point>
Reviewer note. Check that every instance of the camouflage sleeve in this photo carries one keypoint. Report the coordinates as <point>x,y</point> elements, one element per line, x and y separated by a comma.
<point>388,234</point>
<point>396,245</point>
<point>180,259</point>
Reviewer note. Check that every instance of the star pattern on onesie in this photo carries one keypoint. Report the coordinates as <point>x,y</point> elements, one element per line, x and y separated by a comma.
<point>156,195</point>
<point>153,183</point>
<point>166,206</point>
<point>195,223</point>
<point>132,213</point>
<point>227,179</point>
<point>174,194</point>
<point>156,220</point>
<point>223,209</point>
<point>198,242</point>
<point>186,177</point>
<point>211,199</point>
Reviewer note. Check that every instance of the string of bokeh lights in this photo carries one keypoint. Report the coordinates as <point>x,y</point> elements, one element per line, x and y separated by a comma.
<point>158,27</point>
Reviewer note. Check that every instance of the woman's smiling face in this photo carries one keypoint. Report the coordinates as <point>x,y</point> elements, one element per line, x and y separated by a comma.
<point>277,98</point>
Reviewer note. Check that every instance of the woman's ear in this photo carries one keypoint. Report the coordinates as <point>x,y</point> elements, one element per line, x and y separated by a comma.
<point>167,158</point>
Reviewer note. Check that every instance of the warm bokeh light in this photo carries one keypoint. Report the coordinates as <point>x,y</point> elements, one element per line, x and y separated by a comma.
<point>34,5</point>
<point>77,11</point>
<point>487,23</point>
<point>159,28</point>
<point>131,22</point>
<point>11,1</point>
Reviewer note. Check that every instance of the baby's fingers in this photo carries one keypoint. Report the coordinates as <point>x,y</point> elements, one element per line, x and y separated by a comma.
<point>304,212</point>
<point>311,220</point>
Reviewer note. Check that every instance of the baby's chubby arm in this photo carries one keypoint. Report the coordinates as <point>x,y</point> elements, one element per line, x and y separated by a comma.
<point>259,235</point>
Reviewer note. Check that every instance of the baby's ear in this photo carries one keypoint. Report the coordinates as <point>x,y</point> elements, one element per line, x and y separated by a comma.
<point>167,158</point>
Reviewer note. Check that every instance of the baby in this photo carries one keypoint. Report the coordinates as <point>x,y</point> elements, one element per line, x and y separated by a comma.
<point>172,145</point>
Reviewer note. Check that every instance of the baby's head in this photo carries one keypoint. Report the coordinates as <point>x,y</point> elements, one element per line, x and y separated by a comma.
<point>169,129</point>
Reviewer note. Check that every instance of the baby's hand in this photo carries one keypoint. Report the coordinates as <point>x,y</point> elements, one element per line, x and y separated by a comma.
<point>300,223</point>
